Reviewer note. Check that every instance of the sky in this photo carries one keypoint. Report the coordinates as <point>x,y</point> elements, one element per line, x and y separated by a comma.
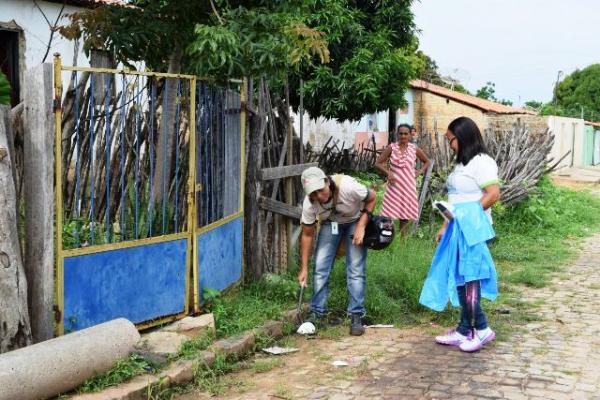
<point>520,45</point>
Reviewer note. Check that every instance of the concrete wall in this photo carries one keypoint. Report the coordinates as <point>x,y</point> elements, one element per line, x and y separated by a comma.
<point>596,160</point>
<point>568,135</point>
<point>588,145</point>
<point>317,131</point>
<point>434,113</point>
<point>505,122</point>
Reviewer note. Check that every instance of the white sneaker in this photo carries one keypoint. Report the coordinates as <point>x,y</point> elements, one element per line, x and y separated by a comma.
<point>451,338</point>
<point>479,339</point>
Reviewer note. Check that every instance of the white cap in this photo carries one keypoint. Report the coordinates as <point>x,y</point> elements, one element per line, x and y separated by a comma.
<point>313,178</point>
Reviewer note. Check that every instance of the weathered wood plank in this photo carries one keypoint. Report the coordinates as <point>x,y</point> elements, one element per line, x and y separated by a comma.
<point>280,208</point>
<point>14,319</point>
<point>39,198</point>
<point>285,171</point>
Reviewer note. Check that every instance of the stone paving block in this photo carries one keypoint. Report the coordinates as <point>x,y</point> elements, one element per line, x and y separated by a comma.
<point>536,384</point>
<point>515,395</point>
<point>135,389</point>
<point>241,344</point>
<point>163,343</point>
<point>487,393</point>
<point>181,372</point>
<point>586,387</point>
<point>432,394</point>
<point>270,329</point>
<point>192,325</point>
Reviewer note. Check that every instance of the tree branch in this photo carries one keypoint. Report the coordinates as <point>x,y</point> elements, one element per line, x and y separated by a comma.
<point>216,12</point>
<point>52,27</point>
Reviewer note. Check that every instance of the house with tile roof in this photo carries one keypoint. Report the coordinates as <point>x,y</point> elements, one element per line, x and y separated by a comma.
<point>431,108</point>
<point>25,33</point>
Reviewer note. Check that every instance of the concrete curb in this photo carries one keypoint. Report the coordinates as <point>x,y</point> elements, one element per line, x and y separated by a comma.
<point>142,386</point>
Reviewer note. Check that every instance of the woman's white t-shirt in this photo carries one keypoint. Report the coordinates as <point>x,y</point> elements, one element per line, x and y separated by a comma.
<point>466,182</point>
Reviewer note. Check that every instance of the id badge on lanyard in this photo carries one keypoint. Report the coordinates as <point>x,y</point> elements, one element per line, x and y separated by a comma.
<point>334,228</point>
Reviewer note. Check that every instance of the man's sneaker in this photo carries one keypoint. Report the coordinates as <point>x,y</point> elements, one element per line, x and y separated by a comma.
<point>451,338</point>
<point>478,340</point>
<point>356,326</point>
<point>316,319</point>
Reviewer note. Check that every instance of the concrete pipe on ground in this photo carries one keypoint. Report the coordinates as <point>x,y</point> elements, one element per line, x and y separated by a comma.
<point>59,365</point>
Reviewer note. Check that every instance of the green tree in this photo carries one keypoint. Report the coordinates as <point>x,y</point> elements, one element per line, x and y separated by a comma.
<point>577,94</point>
<point>488,92</point>
<point>355,57</point>
<point>4,90</point>
<point>534,104</point>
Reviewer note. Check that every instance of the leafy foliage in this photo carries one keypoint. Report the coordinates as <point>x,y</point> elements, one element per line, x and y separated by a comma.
<point>488,92</point>
<point>534,104</point>
<point>4,90</point>
<point>577,94</point>
<point>355,57</point>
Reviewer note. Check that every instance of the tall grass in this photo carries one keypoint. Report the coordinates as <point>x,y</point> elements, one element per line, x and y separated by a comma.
<point>534,239</point>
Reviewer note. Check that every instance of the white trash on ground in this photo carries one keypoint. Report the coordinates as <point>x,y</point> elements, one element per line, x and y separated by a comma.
<point>307,328</point>
<point>280,350</point>
<point>340,363</point>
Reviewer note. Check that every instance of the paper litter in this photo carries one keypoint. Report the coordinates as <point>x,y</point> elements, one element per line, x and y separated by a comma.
<point>280,350</point>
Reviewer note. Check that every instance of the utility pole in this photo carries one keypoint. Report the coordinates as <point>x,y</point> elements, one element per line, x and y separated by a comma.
<point>558,75</point>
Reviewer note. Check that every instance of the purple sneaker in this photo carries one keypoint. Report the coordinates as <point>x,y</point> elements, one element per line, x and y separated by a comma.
<point>451,338</point>
<point>479,339</point>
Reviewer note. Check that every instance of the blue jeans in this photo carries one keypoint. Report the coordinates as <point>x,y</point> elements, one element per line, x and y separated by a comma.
<point>356,262</point>
<point>471,313</point>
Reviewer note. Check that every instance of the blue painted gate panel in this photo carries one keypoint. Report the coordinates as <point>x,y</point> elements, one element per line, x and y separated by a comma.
<point>138,283</point>
<point>220,256</point>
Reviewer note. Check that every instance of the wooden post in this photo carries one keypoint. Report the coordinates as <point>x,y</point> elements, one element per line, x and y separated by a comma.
<point>253,225</point>
<point>15,331</point>
<point>38,123</point>
<point>301,112</point>
<point>289,191</point>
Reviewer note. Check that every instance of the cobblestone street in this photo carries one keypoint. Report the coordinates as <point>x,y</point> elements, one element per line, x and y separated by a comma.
<point>554,358</point>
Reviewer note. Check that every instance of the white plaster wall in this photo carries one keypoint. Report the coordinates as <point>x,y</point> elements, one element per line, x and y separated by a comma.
<point>407,115</point>
<point>568,135</point>
<point>37,32</point>
<point>317,131</point>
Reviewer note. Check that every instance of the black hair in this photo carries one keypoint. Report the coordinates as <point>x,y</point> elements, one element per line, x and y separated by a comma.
<point>470,141</point>
<point>404,125</point>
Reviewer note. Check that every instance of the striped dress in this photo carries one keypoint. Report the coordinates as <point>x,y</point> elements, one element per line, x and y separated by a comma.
<point>400,199</point>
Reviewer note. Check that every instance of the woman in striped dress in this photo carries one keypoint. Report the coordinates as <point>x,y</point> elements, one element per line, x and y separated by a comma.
<point>400,199</point>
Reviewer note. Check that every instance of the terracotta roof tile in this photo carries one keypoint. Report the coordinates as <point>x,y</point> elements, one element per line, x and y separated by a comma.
<point>484,105</point>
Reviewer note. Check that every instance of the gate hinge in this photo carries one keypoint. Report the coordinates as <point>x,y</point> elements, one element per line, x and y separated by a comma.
<point>56,104</point>
<point>57,314</point>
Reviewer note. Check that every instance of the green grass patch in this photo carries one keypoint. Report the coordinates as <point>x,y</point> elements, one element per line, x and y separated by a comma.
<point>534,239</point>
<point>248,307</point>
<point>209,379</point>
<point>261,365</point>
<point>190,348</point>
<point>123,370</point>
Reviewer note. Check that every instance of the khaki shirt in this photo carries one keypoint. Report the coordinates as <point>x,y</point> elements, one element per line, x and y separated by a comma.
<point>351,201</point>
